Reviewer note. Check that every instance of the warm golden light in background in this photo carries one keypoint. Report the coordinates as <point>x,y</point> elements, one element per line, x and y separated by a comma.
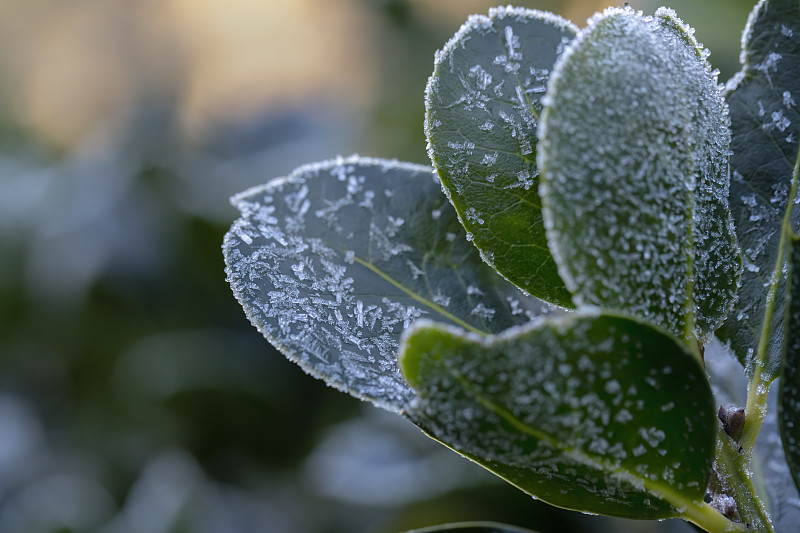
<point>250,54</point>
<point>68,68</point>
<point>456,11</point>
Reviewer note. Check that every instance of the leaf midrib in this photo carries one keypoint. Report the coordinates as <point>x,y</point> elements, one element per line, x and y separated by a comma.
<point>415,296</point>
<point>620,473</point>
<point>786,233</point>
<point>759,381</point>
<point>780,260</point>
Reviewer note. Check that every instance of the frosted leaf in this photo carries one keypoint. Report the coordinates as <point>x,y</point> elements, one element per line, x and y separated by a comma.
<point>331,269</point>
<point>766,132</point>
<point>575,409</point>
<point>482,110</point>
<point>789,384</point>
<point>634,156</point>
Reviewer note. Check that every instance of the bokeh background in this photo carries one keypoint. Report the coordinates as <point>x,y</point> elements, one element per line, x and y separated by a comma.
<point>134,395</point>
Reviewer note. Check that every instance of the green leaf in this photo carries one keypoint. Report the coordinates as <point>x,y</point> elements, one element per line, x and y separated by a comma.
<point>789,391</point>
<point>593,412</point>
<point>332,262</point>
<point>634,159</point>
<point>472,527</point>
<point>482,109</point>
<point>766,132</point>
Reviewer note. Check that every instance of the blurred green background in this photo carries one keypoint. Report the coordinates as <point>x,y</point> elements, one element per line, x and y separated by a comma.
<point>134,394</point>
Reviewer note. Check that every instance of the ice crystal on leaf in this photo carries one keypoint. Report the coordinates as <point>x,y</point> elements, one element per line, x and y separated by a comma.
<point>532,405</point>
<point>635,177</point>
<point>486,93</point>
<point>332,270</point>
<point>766,136</point>
<point>601,170</point>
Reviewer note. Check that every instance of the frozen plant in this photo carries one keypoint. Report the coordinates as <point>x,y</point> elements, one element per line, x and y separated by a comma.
<point>609,211</point>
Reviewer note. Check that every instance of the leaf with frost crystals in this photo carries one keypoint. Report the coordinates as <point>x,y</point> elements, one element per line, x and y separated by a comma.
<point>634,158</point>
<point>472,527</point>
<point>482,109</point>
<point>766,132</point>
<point>593,412</point>
<point>332,262</point>
<point>789,391</point>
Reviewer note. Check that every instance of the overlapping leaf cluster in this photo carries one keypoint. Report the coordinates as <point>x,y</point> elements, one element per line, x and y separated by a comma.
<point>590,169</point>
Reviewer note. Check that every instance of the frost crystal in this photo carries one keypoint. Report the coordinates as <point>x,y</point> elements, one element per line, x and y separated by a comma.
<point>334,261</point>
<point>635,178</point>
<point>528,405</point>
<point>764,146</point>
<point>482,110</point>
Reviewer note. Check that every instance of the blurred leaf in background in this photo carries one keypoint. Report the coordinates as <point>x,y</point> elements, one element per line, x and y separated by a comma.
<point>134,395</point>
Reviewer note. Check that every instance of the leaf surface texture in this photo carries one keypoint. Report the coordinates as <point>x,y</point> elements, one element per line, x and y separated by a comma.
<point>634,155</point>
<point>332,262</point>
<point>482,110</point>
<point>598,413</point>
<point>766,131</point>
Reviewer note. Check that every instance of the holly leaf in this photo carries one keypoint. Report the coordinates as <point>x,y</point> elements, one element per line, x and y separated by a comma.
<point>766,132</point>
<point>594,412</point>
<point>634,158</point>
<point>482,109</point>
<point>332,262</point>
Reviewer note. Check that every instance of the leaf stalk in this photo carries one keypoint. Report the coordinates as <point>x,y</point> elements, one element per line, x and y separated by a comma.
<point>735,480</point>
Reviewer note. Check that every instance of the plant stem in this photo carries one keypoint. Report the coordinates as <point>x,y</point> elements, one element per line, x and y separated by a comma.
<point>755,410</point>
<point>732,467</point>
<point>706,517</point>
